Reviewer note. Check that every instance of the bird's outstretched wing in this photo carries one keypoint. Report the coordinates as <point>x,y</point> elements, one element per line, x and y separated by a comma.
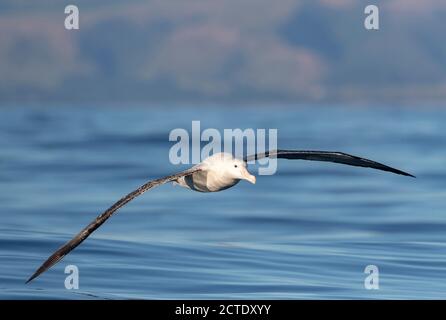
<point>337,157</point>
<point>81,236</point>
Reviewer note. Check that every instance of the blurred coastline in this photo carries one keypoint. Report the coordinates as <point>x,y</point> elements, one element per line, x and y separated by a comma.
<point>225,52</point>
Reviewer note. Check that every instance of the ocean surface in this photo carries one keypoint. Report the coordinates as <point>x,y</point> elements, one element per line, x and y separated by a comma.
<point>308,231</point>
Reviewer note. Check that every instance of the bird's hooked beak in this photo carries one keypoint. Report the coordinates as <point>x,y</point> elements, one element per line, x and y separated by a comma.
<point>248,177</point>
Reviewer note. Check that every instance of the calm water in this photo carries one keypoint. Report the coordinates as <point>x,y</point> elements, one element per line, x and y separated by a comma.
<point>307,232</point>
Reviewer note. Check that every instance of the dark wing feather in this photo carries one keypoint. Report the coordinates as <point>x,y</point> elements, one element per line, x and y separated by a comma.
<point>337,157</point>
<point>81,236</point>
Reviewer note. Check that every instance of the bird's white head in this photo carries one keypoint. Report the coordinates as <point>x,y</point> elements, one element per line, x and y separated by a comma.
<point>229,166</point>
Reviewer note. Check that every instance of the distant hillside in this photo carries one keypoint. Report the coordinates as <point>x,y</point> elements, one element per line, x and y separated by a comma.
<point>244,51</point>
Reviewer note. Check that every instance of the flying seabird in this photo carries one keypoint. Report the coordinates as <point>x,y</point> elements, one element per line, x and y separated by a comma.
<point>216,173</point>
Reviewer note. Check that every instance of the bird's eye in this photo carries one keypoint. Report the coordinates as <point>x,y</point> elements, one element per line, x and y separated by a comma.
<point>235,166</point>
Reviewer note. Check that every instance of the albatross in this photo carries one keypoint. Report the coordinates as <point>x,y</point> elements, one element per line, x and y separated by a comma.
<point>216,173</point>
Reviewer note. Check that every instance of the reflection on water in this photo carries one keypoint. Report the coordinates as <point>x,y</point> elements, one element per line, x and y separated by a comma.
<point>307,232</point>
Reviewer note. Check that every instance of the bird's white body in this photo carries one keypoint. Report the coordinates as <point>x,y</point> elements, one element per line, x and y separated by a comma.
<point>218,172</point>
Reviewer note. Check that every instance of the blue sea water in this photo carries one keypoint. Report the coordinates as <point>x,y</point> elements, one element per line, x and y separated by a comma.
<point>309,231</point>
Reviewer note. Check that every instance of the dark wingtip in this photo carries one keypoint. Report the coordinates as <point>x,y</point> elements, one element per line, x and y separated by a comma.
<point>393,170</point>
<point>51,261</point>
<point>35,275</point>
<point>38,272</point>
<point>405,173</point>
